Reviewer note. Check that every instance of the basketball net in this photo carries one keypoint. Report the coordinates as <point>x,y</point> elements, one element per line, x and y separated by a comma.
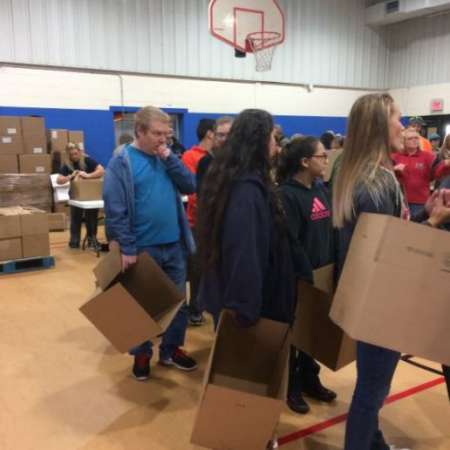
<point>263,45</point>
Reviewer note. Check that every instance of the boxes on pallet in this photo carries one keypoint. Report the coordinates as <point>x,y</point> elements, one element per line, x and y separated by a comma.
<point>11,145</point>
<point>58,139</point>
<point>35,164</point>
<point>29,226</point>
<point>62,207</point>
<point>34,136</point>
<point>10,126</point>
<point>9,164</point>
<point>26,190</point>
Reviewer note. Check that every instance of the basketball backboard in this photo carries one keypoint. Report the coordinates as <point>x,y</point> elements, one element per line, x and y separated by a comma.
<point>233,21</point>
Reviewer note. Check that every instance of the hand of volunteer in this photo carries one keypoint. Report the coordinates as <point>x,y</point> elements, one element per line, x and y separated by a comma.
<point>73,174</point>
<point>163,152</point>
<point>441,210</point>
<point>399,167</point>
<point>431,202</point>
<point>83,174</point>
<point>128,261</point>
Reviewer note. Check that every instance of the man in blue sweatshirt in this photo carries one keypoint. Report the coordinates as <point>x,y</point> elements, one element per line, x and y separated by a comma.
<point>144,213</point>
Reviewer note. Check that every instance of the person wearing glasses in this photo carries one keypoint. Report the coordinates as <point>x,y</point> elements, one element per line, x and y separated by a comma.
<point>307,206</point>
<point>415,171</point>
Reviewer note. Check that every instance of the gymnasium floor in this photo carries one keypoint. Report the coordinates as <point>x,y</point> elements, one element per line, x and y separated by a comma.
<point>62,386</point>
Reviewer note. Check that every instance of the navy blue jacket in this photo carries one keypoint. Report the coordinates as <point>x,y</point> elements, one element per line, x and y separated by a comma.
<point>255,276</point>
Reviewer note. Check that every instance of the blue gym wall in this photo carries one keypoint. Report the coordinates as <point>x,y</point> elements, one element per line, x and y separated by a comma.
<point>98,125</point>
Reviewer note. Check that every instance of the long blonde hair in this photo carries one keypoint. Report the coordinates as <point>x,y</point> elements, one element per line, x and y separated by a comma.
<point>68,162</point>
<point>444,152</point>
<point>366,156</point>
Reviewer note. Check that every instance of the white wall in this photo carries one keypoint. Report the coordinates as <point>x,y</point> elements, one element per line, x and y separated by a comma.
<point>415,101</point>
<point>327,42</point>
<point>27,87</point>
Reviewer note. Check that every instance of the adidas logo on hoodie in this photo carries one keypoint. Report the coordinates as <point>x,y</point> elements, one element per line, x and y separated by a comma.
<point>319,210</point>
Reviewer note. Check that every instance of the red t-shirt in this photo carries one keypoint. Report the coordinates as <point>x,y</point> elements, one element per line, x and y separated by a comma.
<point>191,158</point>
<point>416,176</point>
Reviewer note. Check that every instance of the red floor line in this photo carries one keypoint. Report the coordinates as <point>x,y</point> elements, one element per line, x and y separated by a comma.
<point>343,417</point>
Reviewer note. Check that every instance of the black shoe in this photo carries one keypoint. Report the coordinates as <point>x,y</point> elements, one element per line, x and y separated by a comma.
<point>94,244</point>
<point>180,360</point>
<point>74,244</point>
<point>297,404</point>
<point>319,392</point>
<point>141,367</point>
<point>196,320</point>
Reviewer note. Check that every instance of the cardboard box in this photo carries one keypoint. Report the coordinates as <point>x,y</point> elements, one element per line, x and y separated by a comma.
<point>245,386</point>
<point>333,155</point>
<point>77,137</point>
<point>313,331</point>
<point>9,164</point>
<point>10,249</point>
<point>394,288</point>
<point>36,245</point>
<point>132,307</point>
<point>63,208</point>
<point>33,126</point>
<point>35,144</point>
<point>33,222</point>
<point>58,139</point>
<point>57,221</point>
<point>86,190</point>
<point>9,223</point>
<point>11,144</point>
<point>10,126</point>
<point>35,164</point>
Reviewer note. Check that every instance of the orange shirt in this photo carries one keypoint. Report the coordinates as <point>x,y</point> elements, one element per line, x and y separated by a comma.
<point>191,158</point>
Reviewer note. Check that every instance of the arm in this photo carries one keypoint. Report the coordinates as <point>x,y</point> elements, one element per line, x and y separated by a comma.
<point>97,173</point>
<point>295,225</point>
<point>245,251</point>
<point>183,178</point>
<point>442,169</point>
<point>117,217</point>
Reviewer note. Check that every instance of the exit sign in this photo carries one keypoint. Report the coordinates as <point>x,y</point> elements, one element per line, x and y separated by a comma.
<point>437,105</point>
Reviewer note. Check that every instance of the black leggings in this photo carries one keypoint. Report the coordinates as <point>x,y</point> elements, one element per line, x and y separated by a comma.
<point>76,218</point>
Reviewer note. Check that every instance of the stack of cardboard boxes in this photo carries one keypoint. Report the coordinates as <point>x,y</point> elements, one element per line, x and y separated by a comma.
<point>23,233</point>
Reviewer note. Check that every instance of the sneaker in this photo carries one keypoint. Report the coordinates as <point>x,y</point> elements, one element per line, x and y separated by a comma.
<point>141,367</point>
<point>273,444</point>
<point>196,320</point>
<point>74,244</point>
<point>319,392</point>
<point>298,404</point>
<point>94,244</point>
<point>180,360</point>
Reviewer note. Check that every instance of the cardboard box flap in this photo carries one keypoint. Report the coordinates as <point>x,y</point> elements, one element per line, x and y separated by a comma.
<point>249,354</point>
<point>151,287</point>
<point>109,267</point>
<point>120,319</point>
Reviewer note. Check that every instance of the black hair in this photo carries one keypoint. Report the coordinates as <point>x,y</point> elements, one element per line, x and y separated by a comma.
<point>327,139</point>
<point>289,161</point>
<point>203,127</point>
<point>246,151</point>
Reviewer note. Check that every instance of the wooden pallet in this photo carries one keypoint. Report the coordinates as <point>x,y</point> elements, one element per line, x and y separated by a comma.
<point>27,264</point>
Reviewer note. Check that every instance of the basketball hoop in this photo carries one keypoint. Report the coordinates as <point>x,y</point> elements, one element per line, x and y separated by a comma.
<point>263,44</point>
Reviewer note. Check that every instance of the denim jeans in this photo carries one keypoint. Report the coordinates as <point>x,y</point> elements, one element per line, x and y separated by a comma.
<point>376,367</point>
<point>172,260</point>
<point>415,209</point>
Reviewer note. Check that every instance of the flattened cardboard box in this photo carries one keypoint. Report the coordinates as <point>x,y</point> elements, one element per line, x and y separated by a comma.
<point>10,249</point>
<point>35,164</point>
<point>394,290</point>
<point>86,190</point>
<point>132,307</point>
<point>244,387</point>
<point>313,331</point>
<point>9,164</point>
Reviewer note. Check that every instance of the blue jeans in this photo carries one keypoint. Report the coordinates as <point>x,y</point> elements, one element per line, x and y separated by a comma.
<point>376,367</point>
<point>172,260</point>
<point>415,209</point>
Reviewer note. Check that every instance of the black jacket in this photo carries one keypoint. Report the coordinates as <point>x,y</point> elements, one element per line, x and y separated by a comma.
<point>254,277</point>
<point>308,216</point>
